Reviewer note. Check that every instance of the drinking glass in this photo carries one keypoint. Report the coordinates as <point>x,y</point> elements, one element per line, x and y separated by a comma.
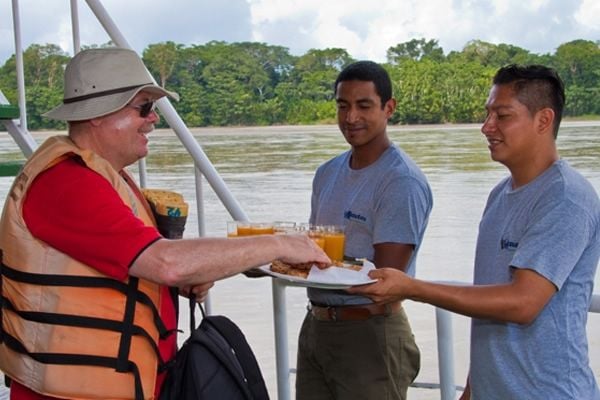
<point>334,241</point>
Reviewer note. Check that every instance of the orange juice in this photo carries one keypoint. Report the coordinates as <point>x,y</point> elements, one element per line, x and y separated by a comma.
<point>244,230</point>
<point>316,235</point>
<point>334,244</point>
<point>261,229</point>
<point>320,241</point>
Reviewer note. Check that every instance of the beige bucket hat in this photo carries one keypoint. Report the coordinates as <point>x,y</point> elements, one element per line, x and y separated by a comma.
<point>101,81</point>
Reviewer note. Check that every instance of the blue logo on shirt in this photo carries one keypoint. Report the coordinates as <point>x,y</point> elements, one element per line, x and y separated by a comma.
<point>356,217</point>
<point>508,245</point>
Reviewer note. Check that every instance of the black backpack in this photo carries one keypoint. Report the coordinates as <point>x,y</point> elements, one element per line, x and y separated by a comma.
<point>215,362</point>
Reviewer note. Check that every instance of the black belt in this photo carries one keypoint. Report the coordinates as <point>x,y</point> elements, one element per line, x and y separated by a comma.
<point>353,313</point>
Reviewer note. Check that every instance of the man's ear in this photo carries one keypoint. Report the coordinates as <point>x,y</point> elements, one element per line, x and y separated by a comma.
<point>390,107</point>
<point>545,121</point>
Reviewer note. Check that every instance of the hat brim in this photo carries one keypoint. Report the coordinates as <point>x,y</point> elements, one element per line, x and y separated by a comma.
<point>103,105</point>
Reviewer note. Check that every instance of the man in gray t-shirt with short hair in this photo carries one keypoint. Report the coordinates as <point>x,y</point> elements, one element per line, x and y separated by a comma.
<point>350,347</point>
<point>537,254</point>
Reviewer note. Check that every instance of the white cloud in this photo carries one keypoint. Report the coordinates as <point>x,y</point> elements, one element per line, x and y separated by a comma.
<point>364,29</point>
<point>588,15</point>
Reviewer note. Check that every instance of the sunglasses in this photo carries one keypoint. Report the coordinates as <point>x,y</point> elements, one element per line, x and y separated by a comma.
<point>145,109</point>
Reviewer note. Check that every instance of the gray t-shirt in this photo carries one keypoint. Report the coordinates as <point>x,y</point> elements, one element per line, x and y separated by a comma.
<point>388,201</point>
<point>551,226</point>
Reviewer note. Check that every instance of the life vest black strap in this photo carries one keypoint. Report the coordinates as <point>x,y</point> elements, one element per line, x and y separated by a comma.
<point>81,321</point>
<point>126,333</point>
<point>88,282</point>
<point>78,359</point>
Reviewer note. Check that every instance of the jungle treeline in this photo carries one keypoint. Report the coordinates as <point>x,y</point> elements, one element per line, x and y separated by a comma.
<point>251,83</point>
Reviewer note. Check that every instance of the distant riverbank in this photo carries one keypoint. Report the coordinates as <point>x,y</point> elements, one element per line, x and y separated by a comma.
<point>566,123</point>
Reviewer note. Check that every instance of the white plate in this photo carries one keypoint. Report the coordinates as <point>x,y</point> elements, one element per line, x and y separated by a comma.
<point>314,283</point>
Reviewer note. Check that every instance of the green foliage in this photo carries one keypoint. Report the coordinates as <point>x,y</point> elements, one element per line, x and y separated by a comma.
<point>415,49</point>
<point>161,59</point>
<point>250,83</point>
<point>418,90</point>
<point>43,71</point>
<point>578,63</point>
<point>465,89</point>
<point>582,101</point>
<point>489,54</point>
<point>41,99</point>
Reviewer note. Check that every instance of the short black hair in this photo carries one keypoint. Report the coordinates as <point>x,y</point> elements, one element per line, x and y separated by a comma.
<point>537,87</point>
<point>367,71</point>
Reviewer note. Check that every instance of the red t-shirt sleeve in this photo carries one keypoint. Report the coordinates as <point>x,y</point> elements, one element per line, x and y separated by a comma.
<point>76,211</point>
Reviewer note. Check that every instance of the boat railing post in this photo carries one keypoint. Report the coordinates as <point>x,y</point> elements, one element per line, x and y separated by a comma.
<point>75,26</point>
<point>445,354</point>
<point>19,65</point>
<point>281,340</point>
<point>201,224</point>
<point>142,172</point>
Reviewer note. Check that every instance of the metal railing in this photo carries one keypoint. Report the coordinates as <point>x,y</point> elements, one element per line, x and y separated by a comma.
<point>204,168</point>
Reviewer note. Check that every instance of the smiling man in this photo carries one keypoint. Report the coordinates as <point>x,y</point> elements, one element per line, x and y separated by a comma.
<point>536,257</point>
<point>350,347</point>
<point>87,310</point>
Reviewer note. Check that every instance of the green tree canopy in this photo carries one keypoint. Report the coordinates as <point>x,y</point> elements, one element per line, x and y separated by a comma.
<point>251,83</point>
<point>416,50</point>
<point>495,55</point>
<point>161,59</point>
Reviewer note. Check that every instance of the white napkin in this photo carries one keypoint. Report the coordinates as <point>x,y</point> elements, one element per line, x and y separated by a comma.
<point>343,276</point>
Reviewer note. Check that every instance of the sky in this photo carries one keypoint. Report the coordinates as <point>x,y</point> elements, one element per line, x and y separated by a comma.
<point>366,29</point>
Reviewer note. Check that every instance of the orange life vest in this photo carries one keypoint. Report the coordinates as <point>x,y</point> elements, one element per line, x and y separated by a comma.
<point>67,330</point>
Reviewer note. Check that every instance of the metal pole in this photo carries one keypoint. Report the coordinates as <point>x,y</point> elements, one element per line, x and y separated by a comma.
<point>281,340</point>
<point>19,64</point>
<point>142,172</point>
<point>108,24</point>
<point>75,26</point>
<point>443,320</point>
<point>201,224</point>
<point>200,203</point>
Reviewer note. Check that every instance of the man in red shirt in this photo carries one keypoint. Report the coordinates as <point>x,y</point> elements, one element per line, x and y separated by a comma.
<point>74,210</point>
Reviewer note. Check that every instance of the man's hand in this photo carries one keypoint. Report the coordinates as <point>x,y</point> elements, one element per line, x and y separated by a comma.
<point>391,285</point>
<point>200,291</point>
<point>302,249</point>
<point>466,394</point>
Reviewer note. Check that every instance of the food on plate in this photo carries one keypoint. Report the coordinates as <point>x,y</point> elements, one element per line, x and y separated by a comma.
<point>299,270</point>
<point>302,270</point>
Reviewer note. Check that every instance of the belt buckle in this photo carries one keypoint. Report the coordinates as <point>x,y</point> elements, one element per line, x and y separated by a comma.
<point>332,312</point>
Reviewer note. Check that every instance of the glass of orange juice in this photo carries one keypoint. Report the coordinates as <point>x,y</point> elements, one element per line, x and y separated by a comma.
<point>313,231</point>
<point>334,241</point>
<point>316,234</point>
<point>283,227</point>
<point>244,228</point>
<point>261,228</point>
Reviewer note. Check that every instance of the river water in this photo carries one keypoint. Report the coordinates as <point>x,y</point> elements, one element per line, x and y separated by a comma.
<point>269,171</point>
